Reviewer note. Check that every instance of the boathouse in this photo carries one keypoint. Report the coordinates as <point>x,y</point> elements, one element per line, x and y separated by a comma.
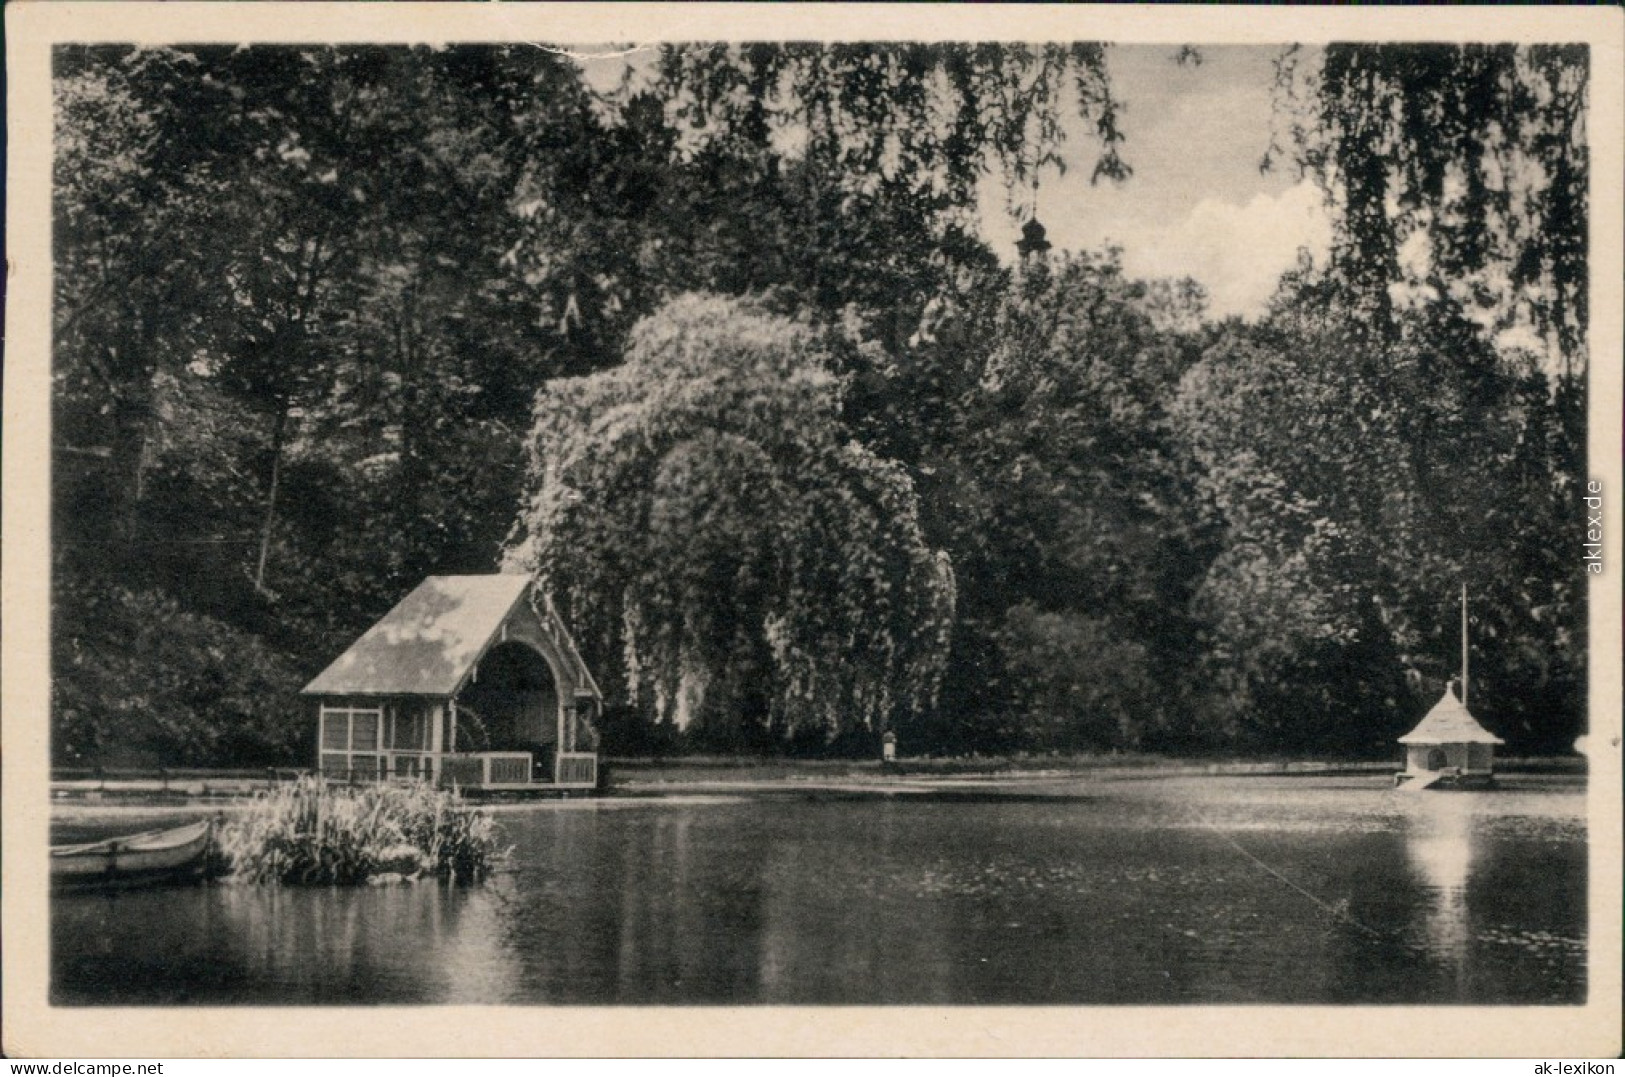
<point>1449,747</point>
<point>471,681</point>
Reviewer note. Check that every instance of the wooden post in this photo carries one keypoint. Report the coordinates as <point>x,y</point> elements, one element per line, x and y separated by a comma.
<point>1464,644</point>
<point>436,741</point>
<point>558,744</point>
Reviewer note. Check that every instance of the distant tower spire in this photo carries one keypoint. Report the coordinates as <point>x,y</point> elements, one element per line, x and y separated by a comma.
<point>1032,246</point>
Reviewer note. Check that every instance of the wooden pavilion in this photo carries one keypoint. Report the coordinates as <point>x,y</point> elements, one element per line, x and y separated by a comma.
<point>471,681</point>
<point>1448,748</point>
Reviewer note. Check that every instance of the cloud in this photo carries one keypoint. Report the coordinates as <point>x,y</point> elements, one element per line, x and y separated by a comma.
<point>1236,252</point>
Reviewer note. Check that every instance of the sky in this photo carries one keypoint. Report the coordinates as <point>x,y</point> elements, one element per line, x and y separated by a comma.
<point>1197,204</point>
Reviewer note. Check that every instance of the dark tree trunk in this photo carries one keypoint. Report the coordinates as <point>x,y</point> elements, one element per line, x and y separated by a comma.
<point>278,436</point>
<point>136,422</point>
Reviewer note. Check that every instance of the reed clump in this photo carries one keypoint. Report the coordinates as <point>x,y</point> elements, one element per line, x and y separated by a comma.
<point>315,832</point>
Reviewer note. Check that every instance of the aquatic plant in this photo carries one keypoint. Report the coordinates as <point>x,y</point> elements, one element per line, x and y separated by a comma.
<point>312,831</point>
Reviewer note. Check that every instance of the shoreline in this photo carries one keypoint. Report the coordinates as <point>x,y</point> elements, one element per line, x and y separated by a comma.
<point>945,779</point>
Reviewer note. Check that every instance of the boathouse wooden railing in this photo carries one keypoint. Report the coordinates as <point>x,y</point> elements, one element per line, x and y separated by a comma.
<point>576,768</point>
<point>481,769</point>
<point>511,768</point>
<point>468,770</point>
<point>406,765</point>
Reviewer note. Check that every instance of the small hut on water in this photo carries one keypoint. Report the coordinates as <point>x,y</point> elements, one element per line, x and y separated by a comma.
<point>1448,748</point>
<point>471,681</point>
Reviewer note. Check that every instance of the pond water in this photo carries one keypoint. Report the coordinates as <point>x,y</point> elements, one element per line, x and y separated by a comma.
<point>1169,890</point>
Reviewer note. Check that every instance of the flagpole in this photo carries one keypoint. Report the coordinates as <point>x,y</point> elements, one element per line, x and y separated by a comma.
<point>1464,643</point>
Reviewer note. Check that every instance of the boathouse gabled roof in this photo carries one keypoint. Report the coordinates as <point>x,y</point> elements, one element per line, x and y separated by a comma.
<point>1449,723</point>
<point>429,642</point>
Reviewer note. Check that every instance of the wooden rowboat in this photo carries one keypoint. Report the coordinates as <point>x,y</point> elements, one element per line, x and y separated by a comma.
<point>153,856</point>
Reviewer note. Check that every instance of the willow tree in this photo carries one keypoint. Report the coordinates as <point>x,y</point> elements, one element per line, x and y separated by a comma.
<point>1453,169</point>
<point>930,116</point>
<point>704,516</point>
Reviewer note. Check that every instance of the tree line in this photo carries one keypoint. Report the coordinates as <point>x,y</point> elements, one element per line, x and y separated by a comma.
<point>719,356</point>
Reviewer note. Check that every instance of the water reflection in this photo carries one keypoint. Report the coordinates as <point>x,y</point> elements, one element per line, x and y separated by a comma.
<point>1439,842</point>
<point>478,960</point>
<point>1118,899</point>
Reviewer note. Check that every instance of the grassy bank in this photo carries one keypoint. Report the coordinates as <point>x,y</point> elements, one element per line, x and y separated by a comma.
<point>737,769</point>
<point>633,772</point>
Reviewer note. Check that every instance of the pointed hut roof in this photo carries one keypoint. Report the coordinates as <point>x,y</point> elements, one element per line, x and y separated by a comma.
<point>1449,723</point>
<point>429,642</point>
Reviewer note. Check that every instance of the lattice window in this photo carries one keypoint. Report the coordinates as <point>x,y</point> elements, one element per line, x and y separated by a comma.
<point>349,741</point>
<point>409,730</point>
<point>364,730</point>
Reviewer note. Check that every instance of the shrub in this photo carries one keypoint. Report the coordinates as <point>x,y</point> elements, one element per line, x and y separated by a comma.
<point>315,832</point>
<point>1082,685</point>
<point>134,675</point>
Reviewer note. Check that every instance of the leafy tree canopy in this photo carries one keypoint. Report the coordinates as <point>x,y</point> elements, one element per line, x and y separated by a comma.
<point>1357,482</point>
<point>306,297</point>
